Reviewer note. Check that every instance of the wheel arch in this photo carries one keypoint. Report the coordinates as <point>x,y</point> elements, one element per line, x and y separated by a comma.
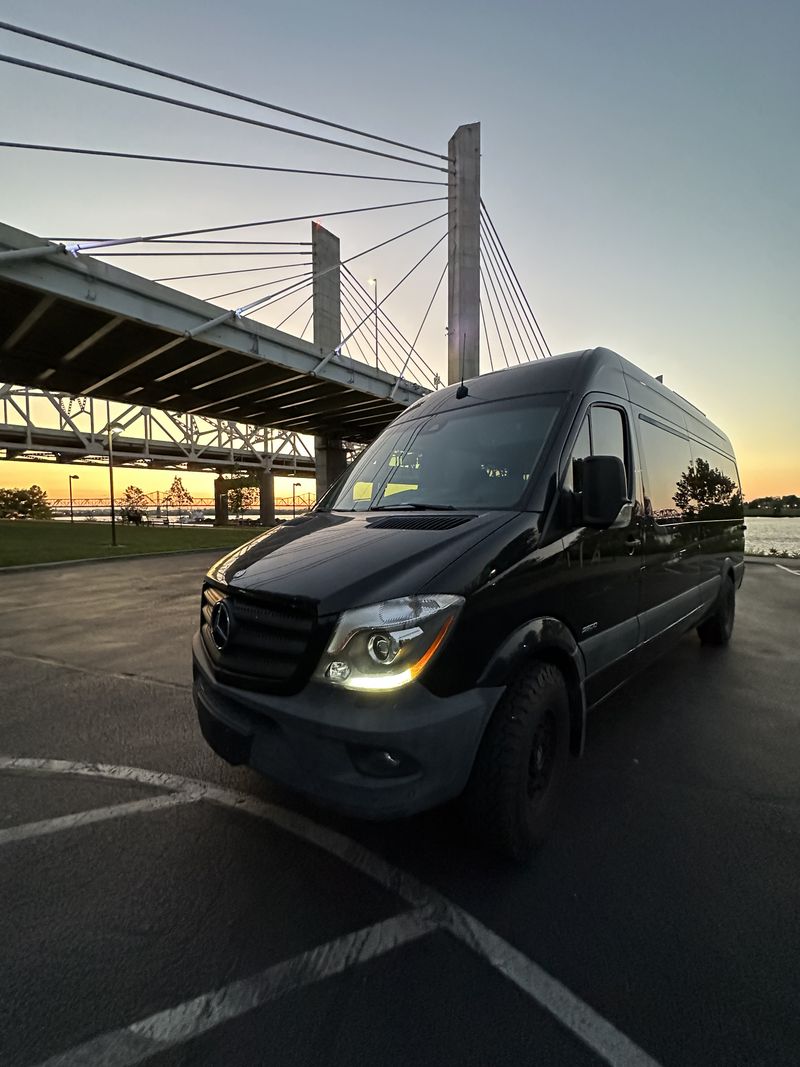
<point>544,640</point>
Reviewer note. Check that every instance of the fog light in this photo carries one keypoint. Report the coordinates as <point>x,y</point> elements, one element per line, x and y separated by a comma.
<point>338,671</point>
<point>382,763</point>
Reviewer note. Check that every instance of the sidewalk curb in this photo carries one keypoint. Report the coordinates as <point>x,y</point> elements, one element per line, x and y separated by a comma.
<point>19,568</point>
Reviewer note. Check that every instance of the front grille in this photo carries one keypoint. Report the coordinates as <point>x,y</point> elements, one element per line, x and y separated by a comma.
<point>273,642</point>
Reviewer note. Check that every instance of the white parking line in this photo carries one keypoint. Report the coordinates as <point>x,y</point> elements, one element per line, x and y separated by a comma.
<point>139,1041</point>
<point>789,570</point>
<point>86,818</point>
<point>573,1013</point>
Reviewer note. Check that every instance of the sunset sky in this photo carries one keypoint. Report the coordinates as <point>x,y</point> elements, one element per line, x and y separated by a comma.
<point>641,162</point>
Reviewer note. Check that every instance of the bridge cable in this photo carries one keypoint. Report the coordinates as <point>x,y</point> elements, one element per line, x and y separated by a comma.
<point>120,255</point>
<point>390,324</point>
<point>424,319</point>
<point>504,280</point>
<point>485,333</point>
<point>361,305</point>
<point>308,323</point>
<point>486,271</point>
<point>513,306</point>
<point>407,275</point>
<point>261,222</point>
<point>390,354</point>
<point>350,259</point>
<point>350,321</point>
<point>302,304</point>
<point>222,273</point>
<point>111,58</point>
<point>386,338</point>
<point>260,285</point>
<point>211,241</point>
<point>519,286</point>
<point>320,274</point>
<point>204,110</point>
<point>215,163</point>
<point>494,319</point>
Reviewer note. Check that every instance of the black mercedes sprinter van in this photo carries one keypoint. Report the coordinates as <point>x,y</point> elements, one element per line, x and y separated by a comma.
<point>491,567</point>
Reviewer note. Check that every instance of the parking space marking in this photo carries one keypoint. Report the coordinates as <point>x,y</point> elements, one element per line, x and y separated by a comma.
<point>143,679</point>
<point>135,1043</point>
<point>86,818</point>
<point>601,1036</point>
<point>789,570</point>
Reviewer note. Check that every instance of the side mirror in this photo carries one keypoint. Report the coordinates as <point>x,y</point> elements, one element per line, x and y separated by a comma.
<point>605,492</point>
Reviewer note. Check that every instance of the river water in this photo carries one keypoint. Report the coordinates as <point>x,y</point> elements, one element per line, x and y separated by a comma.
<point>763,534</point>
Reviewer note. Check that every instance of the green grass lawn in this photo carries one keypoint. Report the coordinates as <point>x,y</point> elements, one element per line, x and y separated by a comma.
<point>24,541</point>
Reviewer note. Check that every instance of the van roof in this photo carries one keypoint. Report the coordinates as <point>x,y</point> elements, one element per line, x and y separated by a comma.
<point>593,369</point>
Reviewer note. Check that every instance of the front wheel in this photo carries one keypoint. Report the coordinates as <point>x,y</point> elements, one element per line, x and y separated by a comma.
<point>512,795</point>
<point>718,628</point>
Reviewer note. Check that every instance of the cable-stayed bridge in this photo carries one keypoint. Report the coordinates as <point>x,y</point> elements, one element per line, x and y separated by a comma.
<point>291,344</point>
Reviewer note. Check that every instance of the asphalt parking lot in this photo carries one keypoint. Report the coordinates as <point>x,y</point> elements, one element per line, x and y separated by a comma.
<point>162,907</point>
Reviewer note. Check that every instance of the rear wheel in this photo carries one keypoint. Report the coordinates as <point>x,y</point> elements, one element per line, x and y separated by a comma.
<point>717,628</point>
<point>512,795</point>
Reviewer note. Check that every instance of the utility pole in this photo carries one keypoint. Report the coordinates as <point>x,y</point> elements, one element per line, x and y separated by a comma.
<point>331,458</point>
<point>463,253</point>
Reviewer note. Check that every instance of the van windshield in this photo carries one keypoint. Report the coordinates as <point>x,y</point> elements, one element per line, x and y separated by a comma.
<point>480,457</point>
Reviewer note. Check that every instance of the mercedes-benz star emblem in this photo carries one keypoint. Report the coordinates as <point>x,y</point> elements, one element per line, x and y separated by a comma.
<point>220,624</point>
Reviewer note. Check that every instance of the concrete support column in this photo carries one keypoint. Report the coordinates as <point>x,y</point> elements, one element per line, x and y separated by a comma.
<point>325,260</point>
<point>331,458</point>
<point>463,252</point>
<point>266,498</point>
<point>220,501</point>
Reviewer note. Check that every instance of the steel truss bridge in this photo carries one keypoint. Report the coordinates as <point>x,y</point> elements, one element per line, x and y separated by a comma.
<point>42,425</point>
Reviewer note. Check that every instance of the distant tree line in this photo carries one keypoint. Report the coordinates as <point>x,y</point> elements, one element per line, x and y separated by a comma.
<point>774,505</point>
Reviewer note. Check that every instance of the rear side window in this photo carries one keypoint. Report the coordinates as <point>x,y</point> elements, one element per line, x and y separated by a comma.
<point>668,465</point>
<point>711,489</point>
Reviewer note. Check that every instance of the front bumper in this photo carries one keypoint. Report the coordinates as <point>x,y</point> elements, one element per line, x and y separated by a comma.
<point>320,741</point>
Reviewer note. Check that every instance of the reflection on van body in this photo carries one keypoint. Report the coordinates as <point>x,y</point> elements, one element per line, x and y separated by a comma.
<point>491,567</point>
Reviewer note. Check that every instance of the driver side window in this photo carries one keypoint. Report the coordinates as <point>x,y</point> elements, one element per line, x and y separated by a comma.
<point>602,433</point>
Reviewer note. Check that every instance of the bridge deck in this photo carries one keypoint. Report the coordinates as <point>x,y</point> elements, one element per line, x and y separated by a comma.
<point>88,328</point>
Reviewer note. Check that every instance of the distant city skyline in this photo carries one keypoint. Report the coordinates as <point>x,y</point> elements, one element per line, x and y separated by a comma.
<point>641,162</point>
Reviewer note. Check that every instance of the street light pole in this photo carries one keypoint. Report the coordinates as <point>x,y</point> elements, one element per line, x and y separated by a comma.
<point>111,427</point>
<point>374,283</point>
<point>111,487</point>
<point>72,478</point>
<point>295,486</point>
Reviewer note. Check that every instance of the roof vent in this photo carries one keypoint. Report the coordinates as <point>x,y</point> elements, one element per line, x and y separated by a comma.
<point>418,522</point>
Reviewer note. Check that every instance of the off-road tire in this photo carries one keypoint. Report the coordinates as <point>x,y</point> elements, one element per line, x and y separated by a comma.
<point>718,628</point>
<point>512,796</point>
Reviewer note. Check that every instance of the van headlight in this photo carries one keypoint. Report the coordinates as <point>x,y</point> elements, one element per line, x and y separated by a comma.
<point>385,646</point>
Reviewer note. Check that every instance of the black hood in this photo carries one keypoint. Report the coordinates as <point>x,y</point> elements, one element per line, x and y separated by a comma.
<point>346,559</point>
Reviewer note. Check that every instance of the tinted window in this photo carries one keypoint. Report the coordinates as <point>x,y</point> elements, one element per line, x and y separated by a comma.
<point>476,457</point>
<point>606,437</point>
<point>608,433</point>
<point>667,462</point>
<point>573,478</point>
<point>711,488</point>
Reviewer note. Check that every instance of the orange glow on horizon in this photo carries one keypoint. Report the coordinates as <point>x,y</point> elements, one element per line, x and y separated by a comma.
<point>761,477</point>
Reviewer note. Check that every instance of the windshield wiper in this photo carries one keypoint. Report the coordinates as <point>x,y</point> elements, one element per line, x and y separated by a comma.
<point>409,506</point>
